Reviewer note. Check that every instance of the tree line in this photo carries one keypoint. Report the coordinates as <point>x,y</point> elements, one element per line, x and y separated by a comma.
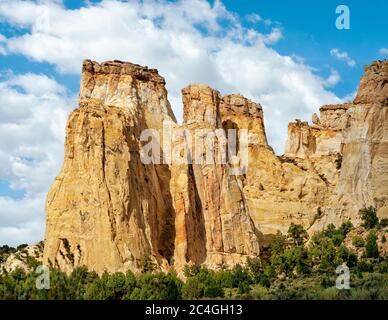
<point>291,267</point>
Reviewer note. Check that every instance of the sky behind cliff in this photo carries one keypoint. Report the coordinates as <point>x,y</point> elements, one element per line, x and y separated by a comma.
<point>286,55</point>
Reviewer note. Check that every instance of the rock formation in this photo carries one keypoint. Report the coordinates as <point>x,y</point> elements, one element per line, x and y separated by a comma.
<point>22,258</point>
<point>213,223</point>
<point>109,210</point>
<point>363,179</point>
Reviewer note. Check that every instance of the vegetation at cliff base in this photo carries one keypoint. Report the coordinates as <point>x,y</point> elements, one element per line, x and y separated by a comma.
<point>292,266</point>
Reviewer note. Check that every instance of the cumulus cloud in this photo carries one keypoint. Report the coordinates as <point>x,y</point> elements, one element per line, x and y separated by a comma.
<point>189,41</point>
<point>253,18</point>
<point>21,221</point>
<point>383,51</point>
<point>343,56</point>
<point>33,113</point>
<point>332,79</point>
<point>273,37</point>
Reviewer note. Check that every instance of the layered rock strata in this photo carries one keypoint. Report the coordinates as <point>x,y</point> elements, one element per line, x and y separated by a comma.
<point>109,210</point>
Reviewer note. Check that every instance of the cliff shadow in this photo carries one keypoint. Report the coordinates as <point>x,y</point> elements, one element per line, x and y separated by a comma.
<point>195,223</point>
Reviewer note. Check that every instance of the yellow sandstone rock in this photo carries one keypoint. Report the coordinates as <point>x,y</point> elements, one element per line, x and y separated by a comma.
<point>109,211</point>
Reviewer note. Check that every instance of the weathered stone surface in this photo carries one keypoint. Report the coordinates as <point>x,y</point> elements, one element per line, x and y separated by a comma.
<point>219,228</point>
<point>107,210</point>
<point>19,259</point>
<point>363,179</point>
<point>373,87</point>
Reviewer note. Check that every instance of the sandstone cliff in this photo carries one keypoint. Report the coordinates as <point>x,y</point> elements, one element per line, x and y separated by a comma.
<point>213,223</point>
<point>108,210</point>
<point>24,258</point>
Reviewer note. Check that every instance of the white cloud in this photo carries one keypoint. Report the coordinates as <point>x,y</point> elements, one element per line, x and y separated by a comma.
<point>383,51</point>
<point>343,56</point>
<point>38,85</point>
<point>33,113</point>
<point>22,221</point>
<point>253,18</point>
<point>332,79</point>
<point>274,36</point>
<point>189,41</point>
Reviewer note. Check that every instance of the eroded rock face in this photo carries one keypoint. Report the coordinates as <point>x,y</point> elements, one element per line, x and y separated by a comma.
<point>108,210</point>
<point>363,179</point>
<point>210,200</point>
<point>21,259</point>
<point>373,86</point>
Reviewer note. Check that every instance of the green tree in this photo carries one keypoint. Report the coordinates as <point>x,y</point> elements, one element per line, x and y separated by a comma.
<point>338,235</point>
<point>213,290</point>
<point>159,286</point>
<point>244,287</point>
<point>369,218</point>
<point>21,246</point>
<point>358,241</point>
<point>239,275</point>
<point>371,248</point>
<point>148,265</point>
<point>191,270</point>
<point>254,266</point>
<point>295,260</point>
<point>352,259</point>
<point>264,280</point>
<point>343,253</point>
<point>346,227</point>
<point>297,233</point>
<point>77,282</point>
<point>116,286</point>
<point>192,289</point>
<point>323,252</point>
<point>278,243</point>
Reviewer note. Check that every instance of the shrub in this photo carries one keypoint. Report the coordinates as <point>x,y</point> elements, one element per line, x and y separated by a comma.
<point>352,260</point>
<point>191,270</point>
<point>369,218</point>
<point>213,290</point>
<point>243,287</point>
<point>343,253</point>
<point>346,227</point>
<point>239,275</point>
<point>254,266</point>
<point>371,248</point>
<point>293,260</point>
<point>21,246</point>
<point>384,222</point>
<point>192,289</point>
<point>358,241</point>
<point>365,266</point>
<point>159,286</point>
<point>337,239</point>
<point>297,233</point>
<point>148,265</point>
<point>278,243</point>
<point>259,293</point>
<point>264,280</point>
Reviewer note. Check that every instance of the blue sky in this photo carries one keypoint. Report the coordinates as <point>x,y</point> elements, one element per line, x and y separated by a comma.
<point>286,55</point>
<point>310,32</point>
